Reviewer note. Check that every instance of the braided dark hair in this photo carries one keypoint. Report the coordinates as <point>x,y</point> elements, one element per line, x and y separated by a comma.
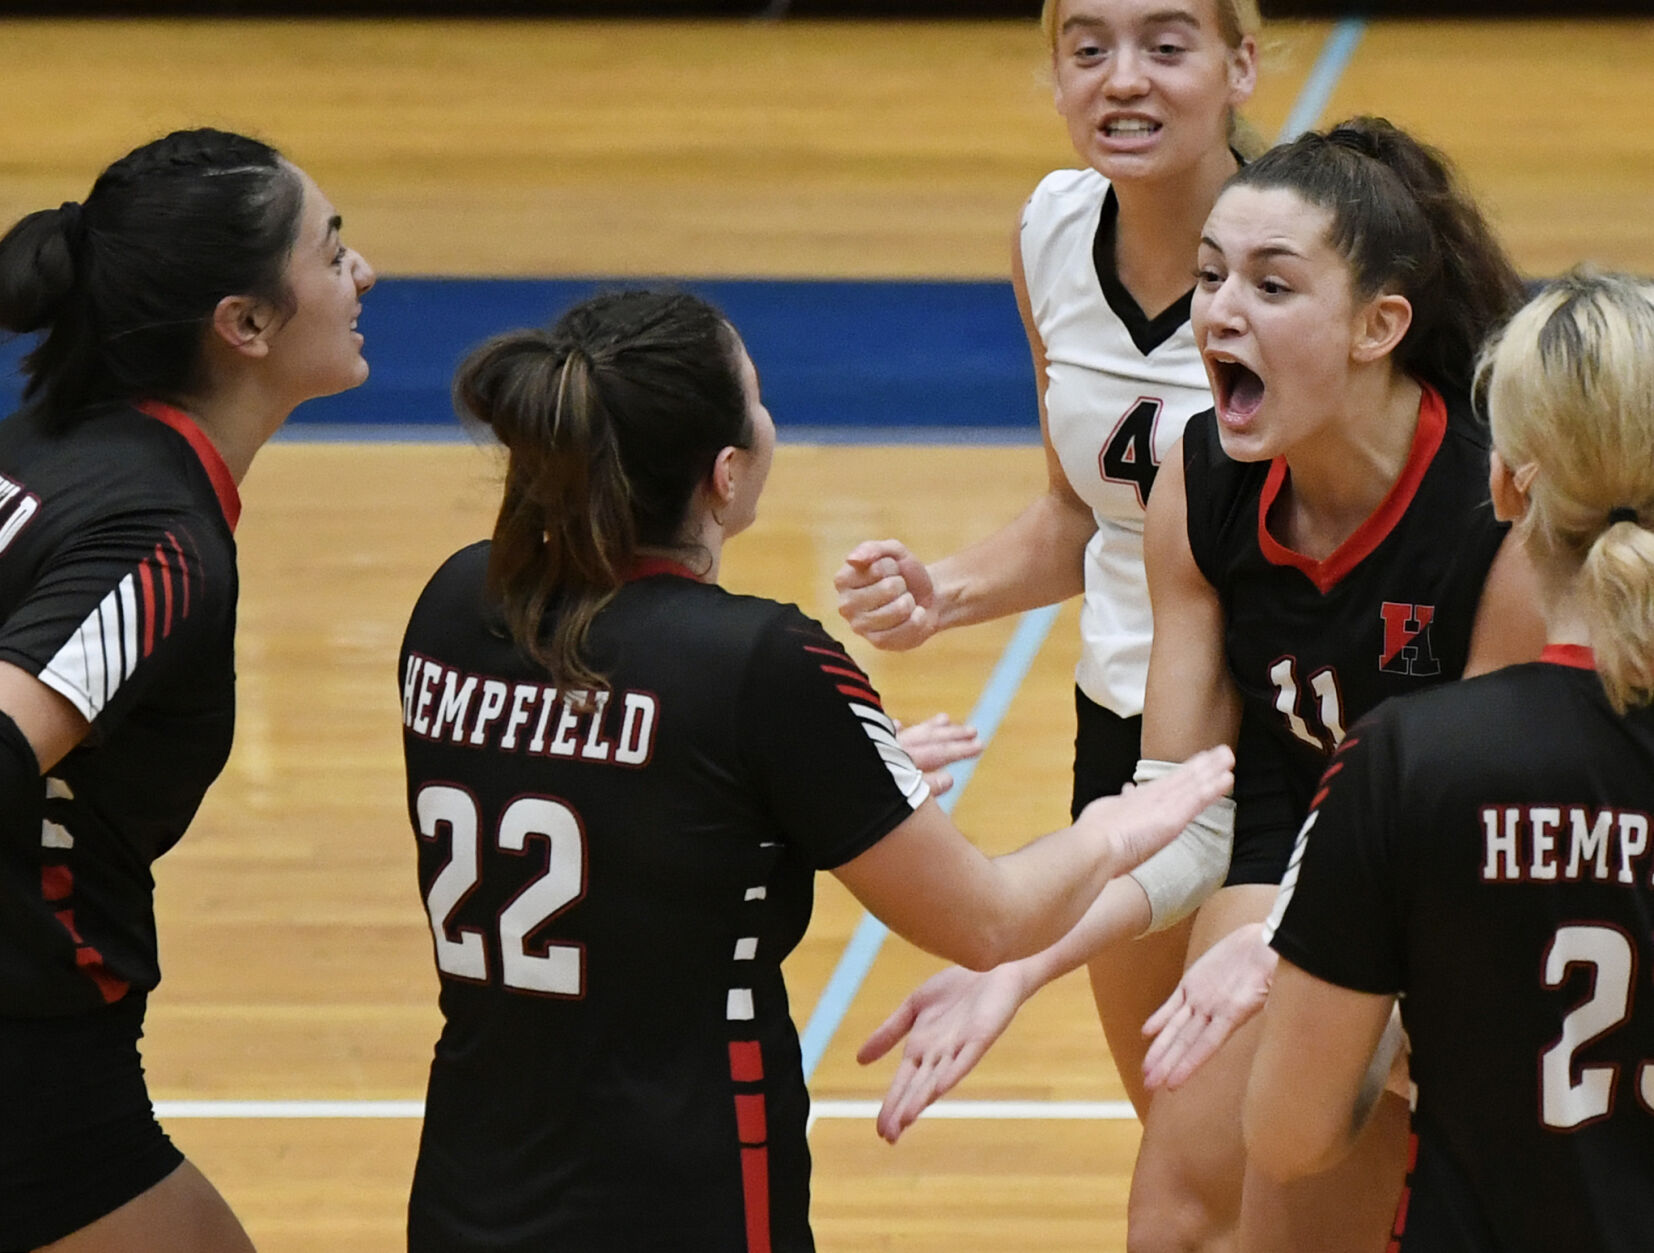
<point>125,285</point>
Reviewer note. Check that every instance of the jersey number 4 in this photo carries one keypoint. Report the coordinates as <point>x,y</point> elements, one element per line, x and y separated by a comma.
<point>556,970</point>
<point>1567,1102</point>
<point>1128,453</point>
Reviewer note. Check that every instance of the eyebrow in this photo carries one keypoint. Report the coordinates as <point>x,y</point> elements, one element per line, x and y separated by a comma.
<point>1162,17</point>
<point>1266,252</point>
<point>334,225</point>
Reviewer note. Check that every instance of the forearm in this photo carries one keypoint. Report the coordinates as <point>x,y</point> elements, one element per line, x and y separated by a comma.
<point>1120,913</point>
<point>1051,921</point>
<point>1036,559</point>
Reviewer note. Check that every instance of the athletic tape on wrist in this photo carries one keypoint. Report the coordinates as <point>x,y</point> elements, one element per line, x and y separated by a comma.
<point>1182,875</point>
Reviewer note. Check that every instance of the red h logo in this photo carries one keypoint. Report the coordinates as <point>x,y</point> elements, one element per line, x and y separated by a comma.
<point>1407,640</point>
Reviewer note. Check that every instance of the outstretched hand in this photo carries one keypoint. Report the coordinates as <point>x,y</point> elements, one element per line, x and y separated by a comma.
<point>885,594</point>
<point>1217,996</point>
<point>1143,819</point>
<point>950,1020</point>
<point>937,743</point>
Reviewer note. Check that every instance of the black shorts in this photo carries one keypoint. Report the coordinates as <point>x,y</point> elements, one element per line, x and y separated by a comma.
<point>78,1137</point>
<point>1106,749</point>
<point>1272,795</point>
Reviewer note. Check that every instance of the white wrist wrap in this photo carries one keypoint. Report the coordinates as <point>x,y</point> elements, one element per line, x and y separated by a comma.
<point>1193,866</point>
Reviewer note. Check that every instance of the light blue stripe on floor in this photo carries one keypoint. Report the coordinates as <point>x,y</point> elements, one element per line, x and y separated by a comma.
<point>857,960</point>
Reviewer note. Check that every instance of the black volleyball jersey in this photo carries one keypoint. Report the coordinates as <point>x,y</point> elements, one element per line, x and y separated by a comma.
<point>118,591</point>
<point>1313,645</point>
<point>1484,850</point>
<point>611,894</point>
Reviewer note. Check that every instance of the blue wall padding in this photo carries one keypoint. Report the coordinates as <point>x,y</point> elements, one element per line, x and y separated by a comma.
<point>830,353</point>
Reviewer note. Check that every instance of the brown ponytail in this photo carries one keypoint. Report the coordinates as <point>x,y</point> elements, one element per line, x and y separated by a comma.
<point>611,418</point>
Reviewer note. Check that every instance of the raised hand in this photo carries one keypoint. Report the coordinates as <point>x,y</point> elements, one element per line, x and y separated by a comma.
<point>949,1021</point>
<point>1217,996</point>
<point>886,595</point>
<point>935,744</point>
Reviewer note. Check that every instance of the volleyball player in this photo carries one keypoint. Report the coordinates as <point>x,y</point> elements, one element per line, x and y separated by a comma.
<point>1482,852</point>
<point>1101,263</point>
<point>1322,541</point>
<point>197,296</point>
<point>622,780</point>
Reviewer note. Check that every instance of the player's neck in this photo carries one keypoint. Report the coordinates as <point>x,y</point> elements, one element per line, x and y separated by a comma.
<point>1158,230</point>
<point>239,420</point>
<point>1561,603</point>
<point>1340,477</point>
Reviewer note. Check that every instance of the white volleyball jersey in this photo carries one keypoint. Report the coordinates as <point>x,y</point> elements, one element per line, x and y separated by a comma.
<point>1119,388</point>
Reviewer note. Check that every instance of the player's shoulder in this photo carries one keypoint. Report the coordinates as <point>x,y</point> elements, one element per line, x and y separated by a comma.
<point>1481,721</point>
<point>114,461</point>
<point>1082,184</point>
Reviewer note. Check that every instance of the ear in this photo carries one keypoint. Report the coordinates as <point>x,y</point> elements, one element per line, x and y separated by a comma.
<point>1243,72</point>
<point>1380,326</point>
<point>245,324</point>
<point>722,480</point>
<point>1508,489</point>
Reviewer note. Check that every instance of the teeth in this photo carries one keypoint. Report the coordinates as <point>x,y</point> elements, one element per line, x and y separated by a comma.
<point>1130,126</point>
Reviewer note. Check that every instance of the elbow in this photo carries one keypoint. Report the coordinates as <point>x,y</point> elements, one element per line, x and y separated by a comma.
<point>985,947</point>
<point>1286,1144</point>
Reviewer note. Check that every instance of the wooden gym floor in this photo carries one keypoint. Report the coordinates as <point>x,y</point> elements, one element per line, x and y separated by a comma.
<point>296,949</point>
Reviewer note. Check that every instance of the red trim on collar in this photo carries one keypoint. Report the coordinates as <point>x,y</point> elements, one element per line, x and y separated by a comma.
<point>223,482</point>
<point>647,567</point>
<point>1579,656</point>
<point>1427,438</point>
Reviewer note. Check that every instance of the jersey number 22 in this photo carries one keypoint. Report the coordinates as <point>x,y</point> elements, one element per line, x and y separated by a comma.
<point>559,970</point>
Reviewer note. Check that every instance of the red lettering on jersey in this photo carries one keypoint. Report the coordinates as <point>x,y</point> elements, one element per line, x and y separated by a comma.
<point>1407,639</point>
<point>746,1061</point>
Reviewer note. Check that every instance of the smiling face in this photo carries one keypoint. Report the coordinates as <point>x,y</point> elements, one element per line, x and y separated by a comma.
<point>1276,320</point>
<point>1147,87</point>
<point>316,347</point>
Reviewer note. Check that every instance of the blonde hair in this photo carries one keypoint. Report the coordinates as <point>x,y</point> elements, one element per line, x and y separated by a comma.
<point>1237,20</point>
<point>1570,396</point>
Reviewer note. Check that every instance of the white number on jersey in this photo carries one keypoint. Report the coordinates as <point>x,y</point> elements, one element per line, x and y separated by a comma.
<point>1564,1103</point>
<point>1329,704</point>
<point>560,969</point>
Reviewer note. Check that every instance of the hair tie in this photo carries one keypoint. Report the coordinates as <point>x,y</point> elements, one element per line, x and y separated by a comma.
<point>72,217</point>
<point>1624,513</point>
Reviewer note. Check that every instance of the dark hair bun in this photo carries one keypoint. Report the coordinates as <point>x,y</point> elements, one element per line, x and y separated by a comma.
<point>37,269</point>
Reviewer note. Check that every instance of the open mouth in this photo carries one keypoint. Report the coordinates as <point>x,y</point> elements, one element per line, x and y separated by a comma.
<point>1130,127</point>
<point>1239,389</point>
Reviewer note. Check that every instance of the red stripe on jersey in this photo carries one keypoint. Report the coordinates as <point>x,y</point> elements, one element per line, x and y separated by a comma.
<point>218,474</point>
<point>148,581</point>
<point>755,1186</point>
<point>750,1124</point>
<point>183,573</point>
<point>1401,1211</point>
<point>166,592</point>
<point>88,959</point>
<point>1427,438</point>
<point>1579,656</point>
<point>645,567</point>
<point>746,1061</point>
<point>860,693</point>
<point>829,652</point>
<point>1326,778</point>
<point>91,965</point>
<point>56,883</point>
<point>857,675</point>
